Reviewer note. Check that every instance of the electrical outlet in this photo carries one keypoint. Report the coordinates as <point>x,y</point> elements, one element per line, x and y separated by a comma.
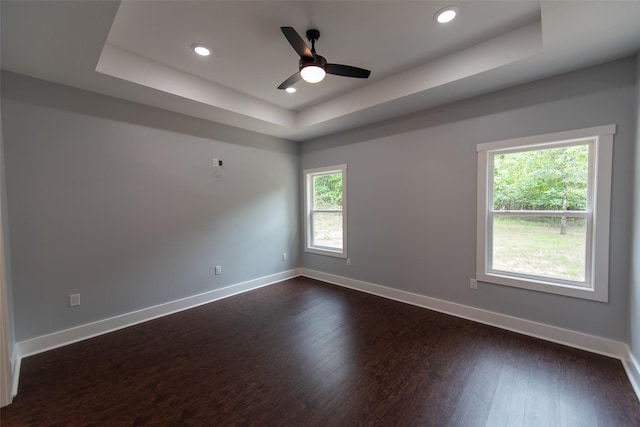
<point>74,300</point>
<point>473,283</point>
<point>284,256</point>
<point>218,270</point>
<point>214,162</point>
<point>348,261</point>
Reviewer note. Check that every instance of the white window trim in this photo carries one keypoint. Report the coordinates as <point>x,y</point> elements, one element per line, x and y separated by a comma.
<point>308,194</point>
<point>603,156</point>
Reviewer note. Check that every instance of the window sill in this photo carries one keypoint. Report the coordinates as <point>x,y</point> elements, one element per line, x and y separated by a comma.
<point>327,252</point>
<point>574,291</point>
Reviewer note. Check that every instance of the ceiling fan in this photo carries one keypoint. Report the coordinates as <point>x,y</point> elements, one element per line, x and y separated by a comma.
<point>313,67</point>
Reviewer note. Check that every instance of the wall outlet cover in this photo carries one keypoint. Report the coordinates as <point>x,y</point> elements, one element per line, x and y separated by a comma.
<point>74,300</point>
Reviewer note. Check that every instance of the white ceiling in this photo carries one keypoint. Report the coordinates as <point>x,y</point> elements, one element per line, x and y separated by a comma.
<point>139,50</point>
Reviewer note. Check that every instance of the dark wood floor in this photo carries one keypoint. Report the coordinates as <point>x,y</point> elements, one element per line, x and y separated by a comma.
<point>304,353</point>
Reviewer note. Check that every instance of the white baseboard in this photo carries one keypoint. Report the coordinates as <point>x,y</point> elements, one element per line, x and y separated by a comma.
<point>15,370</point>
<point>632,368</point>
<point>567,337</point>
<point>69,336</point>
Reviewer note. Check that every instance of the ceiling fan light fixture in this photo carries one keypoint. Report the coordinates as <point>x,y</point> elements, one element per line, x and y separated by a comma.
<point>200,50</point>
<point>446,14</point>
<point>313,73</point>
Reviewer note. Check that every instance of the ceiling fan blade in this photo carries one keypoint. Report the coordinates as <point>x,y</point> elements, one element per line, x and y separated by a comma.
<point>290,81</point>
<point>347,71</point>
<point>296,42</point>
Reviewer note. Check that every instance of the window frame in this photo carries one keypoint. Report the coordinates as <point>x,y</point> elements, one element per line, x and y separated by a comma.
<point>597,213</point>
<point>308,175</point>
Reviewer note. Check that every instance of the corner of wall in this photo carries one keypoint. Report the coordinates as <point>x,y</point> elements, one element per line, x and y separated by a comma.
<point>7,337</point>
<point>632,368</point>
<point>633,327</point>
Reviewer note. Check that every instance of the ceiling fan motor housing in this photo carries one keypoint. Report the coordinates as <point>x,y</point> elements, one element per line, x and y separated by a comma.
<point>317,60</point>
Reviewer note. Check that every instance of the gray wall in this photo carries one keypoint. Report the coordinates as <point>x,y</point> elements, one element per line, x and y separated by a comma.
<point>412,194</point>
<point>117,201</point>
<point>634,300</point>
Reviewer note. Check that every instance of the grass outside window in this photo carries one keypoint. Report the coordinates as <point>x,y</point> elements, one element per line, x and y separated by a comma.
<point>536,247</point>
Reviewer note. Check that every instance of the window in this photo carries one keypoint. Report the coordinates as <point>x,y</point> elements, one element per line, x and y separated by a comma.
<point>543,212</point>
<point>325,205</point>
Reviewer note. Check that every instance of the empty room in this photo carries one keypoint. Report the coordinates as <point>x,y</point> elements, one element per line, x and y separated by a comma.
<point>320,213</point>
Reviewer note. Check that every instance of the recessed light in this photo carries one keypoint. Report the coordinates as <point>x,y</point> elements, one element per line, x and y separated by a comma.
<point>200,49</point>
<point>290,90</point>
<point>446,14</point>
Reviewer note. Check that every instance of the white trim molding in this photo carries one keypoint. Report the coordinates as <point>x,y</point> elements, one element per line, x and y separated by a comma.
<point>79,333</point>
<point>16,362</point>
<point>595,283</point>
<point>594,344</point>
<point>310,210</point>
<point>632,368</point>
<point>567,337</point>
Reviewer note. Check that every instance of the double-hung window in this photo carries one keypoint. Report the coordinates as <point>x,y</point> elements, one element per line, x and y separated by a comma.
<point>543,212</point>
<point>326,210</point>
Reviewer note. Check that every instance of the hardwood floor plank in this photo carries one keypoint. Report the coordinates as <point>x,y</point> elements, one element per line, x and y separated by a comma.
<point>302,352</point>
